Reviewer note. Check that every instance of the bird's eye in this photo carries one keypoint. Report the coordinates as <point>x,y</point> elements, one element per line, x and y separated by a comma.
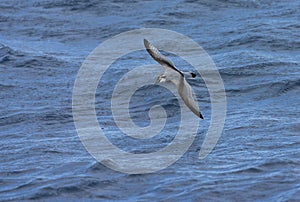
<point>193,74</point>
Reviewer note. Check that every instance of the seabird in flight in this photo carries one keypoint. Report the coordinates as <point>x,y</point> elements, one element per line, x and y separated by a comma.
<point>171,73</point>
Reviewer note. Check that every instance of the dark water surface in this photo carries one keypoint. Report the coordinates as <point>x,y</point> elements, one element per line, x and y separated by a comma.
<point>256,47</point>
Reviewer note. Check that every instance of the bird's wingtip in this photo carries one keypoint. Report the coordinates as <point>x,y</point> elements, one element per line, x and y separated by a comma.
<point>200,115</point>
<point>146,42</point>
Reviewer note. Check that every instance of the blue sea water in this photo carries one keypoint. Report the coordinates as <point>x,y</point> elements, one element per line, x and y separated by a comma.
<point>256,47</point>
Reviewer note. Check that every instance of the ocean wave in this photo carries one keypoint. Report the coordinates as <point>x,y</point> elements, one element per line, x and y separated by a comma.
<point>232,3</point>
<point>259,68</point>
<point>265,166</point>
<point>264,41</point>
<point>275,78</point>
<point>271,89</point>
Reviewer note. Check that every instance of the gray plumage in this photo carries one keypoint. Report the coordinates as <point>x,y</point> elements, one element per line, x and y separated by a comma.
<point>171,73</point>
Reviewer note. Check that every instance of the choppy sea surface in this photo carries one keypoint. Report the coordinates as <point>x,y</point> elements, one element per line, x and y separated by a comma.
<point>255,45</point>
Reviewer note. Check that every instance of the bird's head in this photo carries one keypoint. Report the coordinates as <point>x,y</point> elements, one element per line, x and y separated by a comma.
<point>190,75</point>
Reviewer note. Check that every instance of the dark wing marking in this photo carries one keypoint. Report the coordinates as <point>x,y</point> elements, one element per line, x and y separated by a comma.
<point>160,58</point>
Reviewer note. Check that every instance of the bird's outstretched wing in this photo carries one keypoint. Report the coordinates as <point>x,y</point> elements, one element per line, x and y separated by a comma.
<point>186,93</point>
<point>160,58</point>
<point>184,89</point>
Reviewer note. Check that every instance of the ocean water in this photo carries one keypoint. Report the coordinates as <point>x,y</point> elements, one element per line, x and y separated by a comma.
<point>255,45</point>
